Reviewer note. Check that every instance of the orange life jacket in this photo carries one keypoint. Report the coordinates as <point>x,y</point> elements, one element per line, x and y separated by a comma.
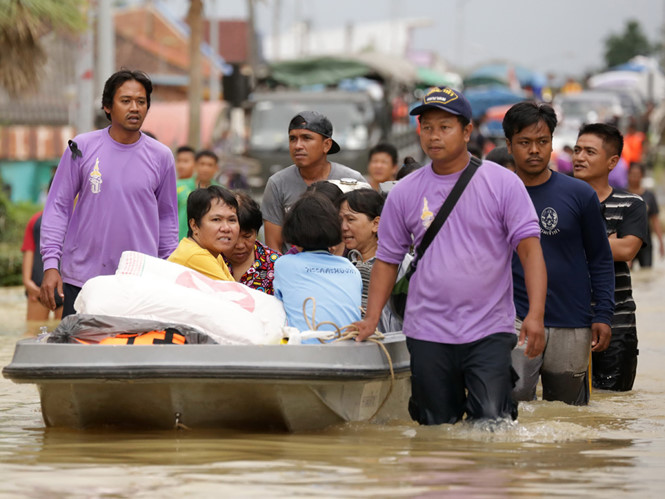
<point>165,337</point>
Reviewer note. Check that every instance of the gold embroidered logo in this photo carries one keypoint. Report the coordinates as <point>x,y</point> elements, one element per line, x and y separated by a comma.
<point>426,216</point>
<point>442,95</point>
<point>96,179</point>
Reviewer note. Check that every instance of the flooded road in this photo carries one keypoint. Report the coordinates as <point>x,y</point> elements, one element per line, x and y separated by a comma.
<point>615,446</point>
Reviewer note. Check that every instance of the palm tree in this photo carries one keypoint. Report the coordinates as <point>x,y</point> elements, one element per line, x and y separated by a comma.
<point>22,23</point>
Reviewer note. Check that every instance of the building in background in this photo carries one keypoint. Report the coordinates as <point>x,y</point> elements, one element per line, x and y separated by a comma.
<point>34,128</point>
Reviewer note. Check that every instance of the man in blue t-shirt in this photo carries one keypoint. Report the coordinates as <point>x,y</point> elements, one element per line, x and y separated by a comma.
<point>580,275</point>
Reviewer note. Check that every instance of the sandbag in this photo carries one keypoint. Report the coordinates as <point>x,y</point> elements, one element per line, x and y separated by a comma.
<point>268,309</point>
<point>145,298</point>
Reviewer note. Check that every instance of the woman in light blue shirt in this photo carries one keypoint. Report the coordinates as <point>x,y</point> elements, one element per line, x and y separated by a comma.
<point>313,225</point>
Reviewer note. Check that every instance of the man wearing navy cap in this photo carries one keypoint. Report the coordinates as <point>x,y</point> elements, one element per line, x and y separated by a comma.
<point>459,319</point>
<point>310,142</point>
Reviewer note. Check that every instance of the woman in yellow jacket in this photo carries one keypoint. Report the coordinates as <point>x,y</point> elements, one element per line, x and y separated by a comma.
<point>212,215</point>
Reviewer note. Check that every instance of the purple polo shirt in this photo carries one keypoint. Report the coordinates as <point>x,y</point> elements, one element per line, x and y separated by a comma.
<point>126,201</point>
<point>463,289</point>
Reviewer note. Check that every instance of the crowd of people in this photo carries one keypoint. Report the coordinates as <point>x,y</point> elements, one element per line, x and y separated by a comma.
<point>527,278</point>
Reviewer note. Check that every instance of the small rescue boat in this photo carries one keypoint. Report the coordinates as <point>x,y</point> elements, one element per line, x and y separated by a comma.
<point>204,385</point>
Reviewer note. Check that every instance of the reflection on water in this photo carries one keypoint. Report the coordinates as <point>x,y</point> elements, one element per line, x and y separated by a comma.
<point>614,446</point>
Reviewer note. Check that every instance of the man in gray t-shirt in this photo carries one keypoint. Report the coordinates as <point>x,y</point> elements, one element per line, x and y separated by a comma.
<point>310,142</point>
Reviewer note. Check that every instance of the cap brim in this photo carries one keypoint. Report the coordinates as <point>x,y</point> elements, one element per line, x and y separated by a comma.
<point>334,148</point>
<point>426,107</point>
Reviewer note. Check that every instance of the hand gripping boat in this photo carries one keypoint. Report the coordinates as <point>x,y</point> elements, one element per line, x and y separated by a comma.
<point>204,385</point>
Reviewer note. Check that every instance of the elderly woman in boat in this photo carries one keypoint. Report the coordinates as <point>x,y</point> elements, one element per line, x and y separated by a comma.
<point>212,213</point>
<point>313,225</point>
<point>360,211</point>
<point>250,261</point>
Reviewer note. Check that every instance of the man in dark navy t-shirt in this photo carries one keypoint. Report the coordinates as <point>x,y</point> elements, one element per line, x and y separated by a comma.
<point>580,276</point>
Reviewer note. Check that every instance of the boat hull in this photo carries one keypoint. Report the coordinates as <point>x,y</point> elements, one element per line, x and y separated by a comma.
<point>292,388</point>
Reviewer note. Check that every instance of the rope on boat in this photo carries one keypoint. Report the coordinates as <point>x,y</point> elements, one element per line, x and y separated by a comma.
<point>178,425</point>
<point>350,332</point>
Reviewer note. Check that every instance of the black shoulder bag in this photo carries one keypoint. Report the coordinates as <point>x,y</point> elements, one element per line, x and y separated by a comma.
<point>401,288</point>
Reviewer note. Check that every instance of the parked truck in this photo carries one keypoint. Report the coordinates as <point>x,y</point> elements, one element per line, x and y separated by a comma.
<point>359,123</point>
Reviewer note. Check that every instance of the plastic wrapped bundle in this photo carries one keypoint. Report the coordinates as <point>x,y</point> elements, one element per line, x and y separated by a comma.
<point>154,299</point>
<point>268,309</point>
<point>92,329</point>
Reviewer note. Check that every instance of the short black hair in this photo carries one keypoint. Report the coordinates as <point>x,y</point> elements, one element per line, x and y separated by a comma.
<point>249,213</point>
<point>500,156</point>
<point>116,80</point>
<point>366,201</point>
<point>474,149</point>
<point>329,190</point>
<point>527,113</point>
<point>384,147</point>
<point>638,166</point>
<point>410,165</point>
<point>206,153</point>
<point>313,223</point>
<point>611,136</point>
<point>185,149</point>
<point>200,200</point>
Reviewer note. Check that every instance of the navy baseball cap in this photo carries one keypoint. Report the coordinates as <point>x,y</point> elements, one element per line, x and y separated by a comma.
<point>447,99</point>
<point>315,122</point>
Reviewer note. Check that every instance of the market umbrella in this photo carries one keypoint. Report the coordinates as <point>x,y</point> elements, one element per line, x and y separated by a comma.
<point>614,79</point>
<point>320,70</point>
<point>432,78</point>
<point>483,98</point>
<point>330,70</point>
<point>502,74</point>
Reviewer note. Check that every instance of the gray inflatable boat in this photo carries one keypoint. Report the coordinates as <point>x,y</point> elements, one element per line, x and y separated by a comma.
<point>204,385</point>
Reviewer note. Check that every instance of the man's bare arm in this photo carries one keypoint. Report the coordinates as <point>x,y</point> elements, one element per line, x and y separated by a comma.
<point>381,283</point>
<point>535,279</point>
<point>273,235</point>
<point>624,249</point>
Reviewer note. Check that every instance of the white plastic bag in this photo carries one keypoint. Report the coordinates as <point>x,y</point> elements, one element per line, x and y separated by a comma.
<point>268,309</point>
<point>146,298</point>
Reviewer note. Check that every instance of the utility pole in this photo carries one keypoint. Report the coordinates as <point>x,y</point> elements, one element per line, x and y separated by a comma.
<point>252,56</point>
<point>276,29</point>
<point>215,84</point>
<point>195,89</point>
<point>105,44</point>
<point>85,75</point>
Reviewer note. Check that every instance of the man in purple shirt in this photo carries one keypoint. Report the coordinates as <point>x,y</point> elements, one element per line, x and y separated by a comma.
<point>459,318</point>
<point>123,183</point>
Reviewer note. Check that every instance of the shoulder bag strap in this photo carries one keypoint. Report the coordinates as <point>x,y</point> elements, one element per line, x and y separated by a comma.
<point>446,208</point>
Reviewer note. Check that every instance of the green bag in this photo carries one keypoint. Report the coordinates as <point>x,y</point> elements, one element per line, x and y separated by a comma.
<point>399,293</point>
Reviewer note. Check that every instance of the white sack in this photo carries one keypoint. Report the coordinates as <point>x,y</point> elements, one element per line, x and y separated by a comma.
<point>268,309</point>
<point>145,298</point>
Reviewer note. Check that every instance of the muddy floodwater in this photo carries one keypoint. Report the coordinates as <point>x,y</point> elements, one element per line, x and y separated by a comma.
<point>615,447</point>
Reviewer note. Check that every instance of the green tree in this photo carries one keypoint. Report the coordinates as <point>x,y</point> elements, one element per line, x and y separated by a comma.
<point>22,23</point>
<point>623,47</point>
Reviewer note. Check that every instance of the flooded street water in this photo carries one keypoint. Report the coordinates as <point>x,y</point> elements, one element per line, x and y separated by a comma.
<point>614,447</point>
